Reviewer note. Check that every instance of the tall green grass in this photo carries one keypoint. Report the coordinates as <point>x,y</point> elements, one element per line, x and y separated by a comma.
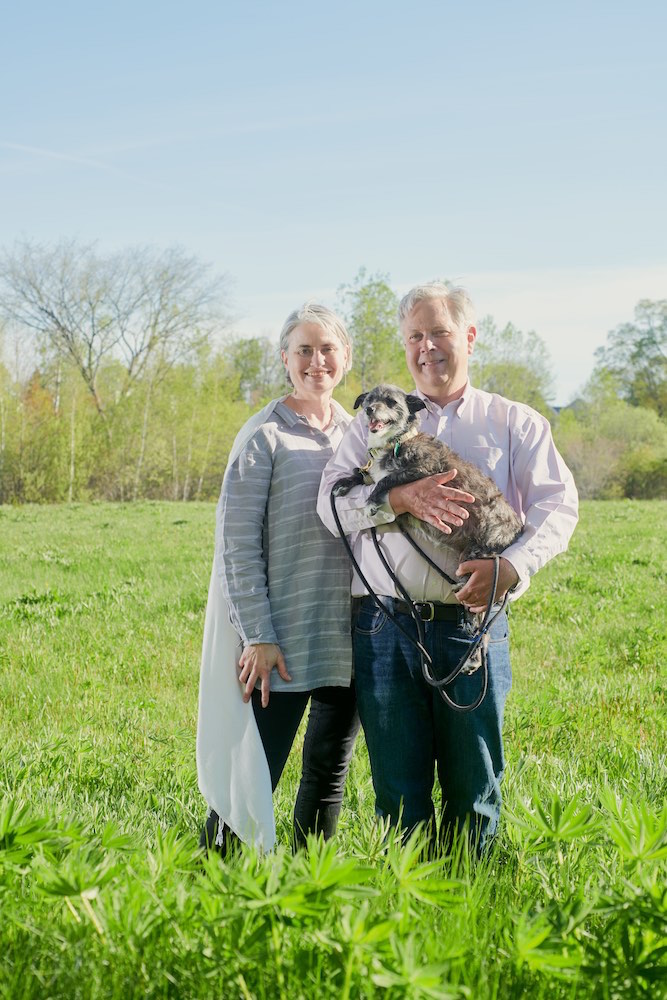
<point>102,890</point>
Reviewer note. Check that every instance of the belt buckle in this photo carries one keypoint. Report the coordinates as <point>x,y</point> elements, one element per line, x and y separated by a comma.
<point>423,605</point>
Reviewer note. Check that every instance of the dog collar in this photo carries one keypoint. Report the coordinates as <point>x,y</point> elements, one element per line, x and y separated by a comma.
<point>401,441</point>
<point>374,452</point>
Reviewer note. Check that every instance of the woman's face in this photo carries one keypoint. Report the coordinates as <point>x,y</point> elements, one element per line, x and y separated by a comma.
<point>315,360</point>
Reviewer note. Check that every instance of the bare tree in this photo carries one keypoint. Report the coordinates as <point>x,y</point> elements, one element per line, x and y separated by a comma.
<point>144,308</point>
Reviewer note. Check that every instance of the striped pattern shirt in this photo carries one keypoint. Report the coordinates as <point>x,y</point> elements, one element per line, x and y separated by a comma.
<point>286,580</point>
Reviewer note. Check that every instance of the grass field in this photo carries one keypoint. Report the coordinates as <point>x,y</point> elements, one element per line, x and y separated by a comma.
<point>102,891</point>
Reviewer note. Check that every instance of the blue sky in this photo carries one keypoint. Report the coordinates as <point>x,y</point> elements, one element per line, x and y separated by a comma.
<point>517,148</point>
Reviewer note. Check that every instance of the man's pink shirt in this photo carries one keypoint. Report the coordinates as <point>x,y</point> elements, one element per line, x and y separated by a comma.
<point>509,441</point>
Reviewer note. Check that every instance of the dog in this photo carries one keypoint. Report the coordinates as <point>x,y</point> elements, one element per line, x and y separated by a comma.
<point>400,453</point>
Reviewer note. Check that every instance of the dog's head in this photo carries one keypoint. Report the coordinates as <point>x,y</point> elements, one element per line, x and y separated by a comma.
<point>390,412</point>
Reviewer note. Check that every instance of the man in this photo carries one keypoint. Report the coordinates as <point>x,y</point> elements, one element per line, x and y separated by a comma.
<point>409,728</point>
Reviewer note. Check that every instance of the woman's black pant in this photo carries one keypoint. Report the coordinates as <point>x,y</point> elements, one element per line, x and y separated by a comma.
<point>333,724</point>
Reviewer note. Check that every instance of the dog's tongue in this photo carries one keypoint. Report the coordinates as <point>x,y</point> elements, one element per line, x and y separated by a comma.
<point>375,425</point>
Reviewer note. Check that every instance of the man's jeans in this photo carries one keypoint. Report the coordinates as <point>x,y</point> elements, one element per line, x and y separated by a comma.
<point>409,728</point>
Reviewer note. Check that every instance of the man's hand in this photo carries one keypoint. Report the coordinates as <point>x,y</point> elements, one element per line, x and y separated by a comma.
<point>256,663</point>
<point>431,500</point>
<point>476,591</point>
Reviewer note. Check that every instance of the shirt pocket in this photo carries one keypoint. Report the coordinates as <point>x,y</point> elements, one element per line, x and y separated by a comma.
<point>493,461</point>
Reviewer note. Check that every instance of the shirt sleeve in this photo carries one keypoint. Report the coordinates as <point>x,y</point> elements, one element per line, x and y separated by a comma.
<point>548,496</point>
<point>239,552</point>
<point>351,508</point>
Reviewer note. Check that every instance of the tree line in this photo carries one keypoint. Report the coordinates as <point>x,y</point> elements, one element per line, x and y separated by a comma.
<point>121,378</point>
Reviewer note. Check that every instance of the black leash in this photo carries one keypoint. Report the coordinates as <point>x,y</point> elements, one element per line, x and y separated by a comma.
<point>426,658</point>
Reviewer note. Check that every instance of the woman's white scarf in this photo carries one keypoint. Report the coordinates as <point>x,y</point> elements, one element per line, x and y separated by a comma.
<point>231,764</point>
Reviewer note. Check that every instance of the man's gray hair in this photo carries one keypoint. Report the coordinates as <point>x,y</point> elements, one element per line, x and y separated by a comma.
<point>459,306</point>
<point>311,312</point>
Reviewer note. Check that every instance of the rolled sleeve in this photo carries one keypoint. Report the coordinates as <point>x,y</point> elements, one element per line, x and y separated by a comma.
<point>548,499</point>
<point>240,558</point>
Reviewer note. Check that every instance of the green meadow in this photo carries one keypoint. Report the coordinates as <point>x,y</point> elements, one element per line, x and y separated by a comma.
<point>103,892</point>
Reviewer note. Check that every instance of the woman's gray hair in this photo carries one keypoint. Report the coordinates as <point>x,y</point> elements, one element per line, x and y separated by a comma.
<point>311,312</point>
<point>456,299</point>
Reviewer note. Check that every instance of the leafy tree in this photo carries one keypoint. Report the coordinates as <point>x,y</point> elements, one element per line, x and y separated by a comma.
<point>512,363</point>
<point>8,435</point>
<point>257,364</point>
<point>636,356</point>
<point>369,307</point>
<point>613,448</point>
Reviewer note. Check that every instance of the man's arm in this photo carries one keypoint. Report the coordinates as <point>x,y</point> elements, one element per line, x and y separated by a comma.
<point>550,508</point>
<point>429,499</point>
<point>549,499</point>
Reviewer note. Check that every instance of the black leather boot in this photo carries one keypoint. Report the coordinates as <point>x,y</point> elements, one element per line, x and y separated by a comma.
<point>209,836</point>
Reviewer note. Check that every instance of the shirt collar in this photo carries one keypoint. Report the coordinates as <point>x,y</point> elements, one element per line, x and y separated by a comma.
<point>459,406</point>
<point>286,413</point>
<point>340,414</point>
<point>291,417</point>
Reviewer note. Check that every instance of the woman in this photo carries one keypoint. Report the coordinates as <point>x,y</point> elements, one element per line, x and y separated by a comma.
<point>279,599</point>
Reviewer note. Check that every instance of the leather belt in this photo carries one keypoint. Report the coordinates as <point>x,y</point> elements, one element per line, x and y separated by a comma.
<point>428,611</point>
<point>431,611</point>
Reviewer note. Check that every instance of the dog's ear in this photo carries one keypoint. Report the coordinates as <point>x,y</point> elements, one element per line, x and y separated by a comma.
<point>415,404</point>
<point>359,400</point>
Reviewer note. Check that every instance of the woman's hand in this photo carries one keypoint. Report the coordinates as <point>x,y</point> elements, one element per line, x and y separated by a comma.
<point>256,663</point>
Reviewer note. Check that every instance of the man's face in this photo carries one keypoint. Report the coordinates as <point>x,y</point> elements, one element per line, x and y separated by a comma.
<point>437,350</point>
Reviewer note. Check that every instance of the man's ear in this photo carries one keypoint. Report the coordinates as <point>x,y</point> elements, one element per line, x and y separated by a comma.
<point>359,400</point>
<point>415,404</point>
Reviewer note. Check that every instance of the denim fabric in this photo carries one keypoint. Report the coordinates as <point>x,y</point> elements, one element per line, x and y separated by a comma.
<point>410,730</point>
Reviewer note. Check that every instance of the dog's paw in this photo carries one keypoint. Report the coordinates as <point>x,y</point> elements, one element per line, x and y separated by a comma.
<point>343,486</point>
<point>473,663</point>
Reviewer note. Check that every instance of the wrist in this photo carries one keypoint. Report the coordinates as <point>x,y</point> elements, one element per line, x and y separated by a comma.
<point>511,575</point>
<point>395,499</point>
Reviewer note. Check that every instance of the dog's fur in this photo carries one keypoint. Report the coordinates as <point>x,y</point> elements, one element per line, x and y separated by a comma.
<point>399,453</point>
